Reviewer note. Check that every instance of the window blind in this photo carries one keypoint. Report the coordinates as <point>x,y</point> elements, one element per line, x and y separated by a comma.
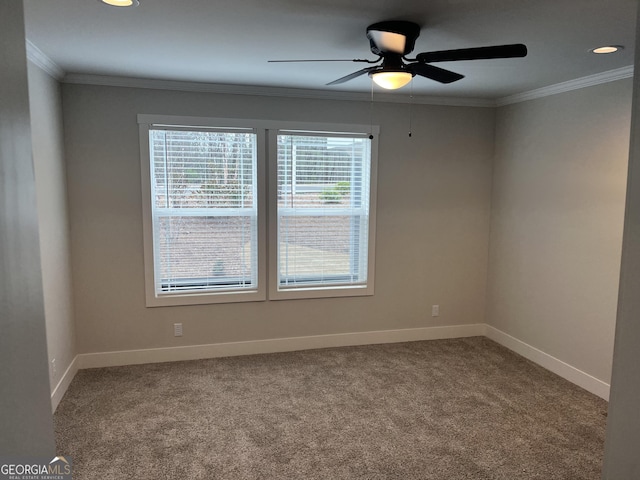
<point>204,212</point>
<point>323,183</point>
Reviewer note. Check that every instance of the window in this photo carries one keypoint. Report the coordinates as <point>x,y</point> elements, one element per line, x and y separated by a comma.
<point>205,210</point>
<point>323,192</point>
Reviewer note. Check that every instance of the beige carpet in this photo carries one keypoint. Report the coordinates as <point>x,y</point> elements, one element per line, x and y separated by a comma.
<point>446,409</point>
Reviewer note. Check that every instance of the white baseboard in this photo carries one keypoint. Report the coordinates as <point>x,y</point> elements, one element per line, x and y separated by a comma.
<point>63,384</point>
<point>194,352</point>
<point>566,371</point>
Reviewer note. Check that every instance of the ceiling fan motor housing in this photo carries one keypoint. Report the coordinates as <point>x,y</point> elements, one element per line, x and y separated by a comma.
<point>409,30</point>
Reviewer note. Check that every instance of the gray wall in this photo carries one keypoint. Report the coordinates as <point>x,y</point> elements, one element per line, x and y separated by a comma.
<point>432,235</point>
<point>621,459</point>
<point>51,193</point>
<point>25,409</point>
<point>556,222</point>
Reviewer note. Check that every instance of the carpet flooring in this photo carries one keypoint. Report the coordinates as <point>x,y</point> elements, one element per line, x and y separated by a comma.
<point>445,409</point>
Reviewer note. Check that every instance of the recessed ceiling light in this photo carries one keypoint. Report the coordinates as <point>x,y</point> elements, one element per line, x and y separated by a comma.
<point>607,49</point>
<point>121,3</point>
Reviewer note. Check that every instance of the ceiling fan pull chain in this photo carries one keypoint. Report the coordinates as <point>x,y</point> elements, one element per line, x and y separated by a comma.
<point>410,105</point>
<point>371,114</point>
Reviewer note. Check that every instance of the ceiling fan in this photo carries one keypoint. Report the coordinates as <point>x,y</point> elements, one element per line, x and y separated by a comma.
<point>393,40</point>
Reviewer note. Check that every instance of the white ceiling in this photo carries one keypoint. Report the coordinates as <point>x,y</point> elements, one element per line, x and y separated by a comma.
<point>229,42</point>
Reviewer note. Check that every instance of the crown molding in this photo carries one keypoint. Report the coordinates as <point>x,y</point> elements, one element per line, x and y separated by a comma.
<point>112,81</point>
<point>583,82</point>
<point>266,91</point>
<point>40,59</point>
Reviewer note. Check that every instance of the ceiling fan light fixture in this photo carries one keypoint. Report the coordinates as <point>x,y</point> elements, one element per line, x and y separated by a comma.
<point>607,49</point>
<point>121,3</point>
<point>391,80</point>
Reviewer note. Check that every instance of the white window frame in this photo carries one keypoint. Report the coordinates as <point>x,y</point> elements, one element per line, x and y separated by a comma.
<point>147,123</point>
<point>321,291</point>
<point>267,131</point>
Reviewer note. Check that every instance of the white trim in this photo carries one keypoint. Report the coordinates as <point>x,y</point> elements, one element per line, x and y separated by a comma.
<point>588,81</point>
<point>151,298</point>
<point>255,124</point>
<point>40,59</point>
<point>252,347</point>
<point>36,56</point>
<point>266,91</point>
<point>63,384</point>
<point>194,352</point>
<point>266,154</point>
<point>564,370</point>
<point>322,291</point>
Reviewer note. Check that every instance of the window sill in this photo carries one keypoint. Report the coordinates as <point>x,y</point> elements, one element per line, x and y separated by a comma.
<point>182,299</point>
<point>323,292</point>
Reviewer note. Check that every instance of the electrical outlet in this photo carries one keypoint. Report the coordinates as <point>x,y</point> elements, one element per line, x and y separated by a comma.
<point>54,370</point>
<point>435,310</point>
<point>177,329</point>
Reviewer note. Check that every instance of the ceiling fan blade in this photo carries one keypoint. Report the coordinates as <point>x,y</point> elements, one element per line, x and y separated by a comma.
<point>434,73</point>
<point>478,53</point>
<point>353,75</point>
<point>323,60</point>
